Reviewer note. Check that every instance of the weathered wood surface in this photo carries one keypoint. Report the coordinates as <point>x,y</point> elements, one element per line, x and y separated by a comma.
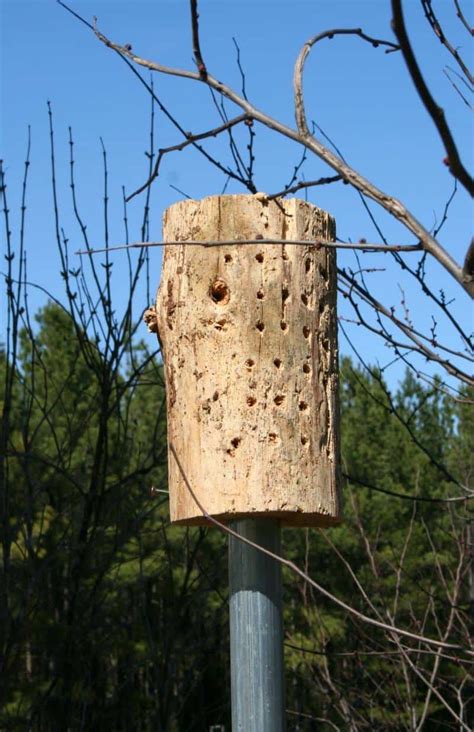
<point>249,337</point>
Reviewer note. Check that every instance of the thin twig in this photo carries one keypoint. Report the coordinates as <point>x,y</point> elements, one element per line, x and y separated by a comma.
<point>462,18</point>
<point>291,565</point>
<point>190,140</point>
<point>439,33</point>
<point>406,496</point>
<point>456,88</point>
<point>317,243</point>
<point>305,184</point>
<point>413,335</point>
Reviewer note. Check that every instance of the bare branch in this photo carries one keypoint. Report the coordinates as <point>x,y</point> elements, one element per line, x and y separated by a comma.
<point>239,66</point>
<point>190,140</point>
<point>446,72</point>
<point>390,204</point>
<point>415,337</point>
<point>201,66</point>
<point>301,60</point>
<point>316,243</point>
<point>436,113</point>
<point>305,184</point>
<point>245,171</point>
<point>461,17</point>
<point>439,33</point>
<point>406,496</point>
<point>291,565</point>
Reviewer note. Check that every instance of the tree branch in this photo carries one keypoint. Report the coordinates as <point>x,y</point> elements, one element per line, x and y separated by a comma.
<point>190,140</point>
<point>305,184</point>
<point>436,113</point>
<point>407,496</point>
<point>438,31</point>
<point>390,204</point>
<point>462,18</point>
<point>201,66</point>
<point>303,55</point>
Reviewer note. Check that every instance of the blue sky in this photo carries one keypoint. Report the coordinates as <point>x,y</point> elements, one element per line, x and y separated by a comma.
<point>361,97</point>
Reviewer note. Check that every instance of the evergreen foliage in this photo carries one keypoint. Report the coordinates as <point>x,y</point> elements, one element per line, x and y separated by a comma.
<point>113,619</point>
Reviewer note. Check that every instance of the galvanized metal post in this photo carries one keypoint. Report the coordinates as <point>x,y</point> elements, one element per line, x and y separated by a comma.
<point>256,629</point>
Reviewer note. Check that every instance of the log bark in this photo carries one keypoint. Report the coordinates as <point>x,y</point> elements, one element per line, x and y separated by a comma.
<point>249,334</point>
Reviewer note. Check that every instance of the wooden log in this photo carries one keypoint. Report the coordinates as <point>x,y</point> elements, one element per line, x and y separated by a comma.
<point>250,354</point>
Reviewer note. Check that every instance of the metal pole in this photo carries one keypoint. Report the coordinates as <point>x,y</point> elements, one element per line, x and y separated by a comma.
<point>256,629</point>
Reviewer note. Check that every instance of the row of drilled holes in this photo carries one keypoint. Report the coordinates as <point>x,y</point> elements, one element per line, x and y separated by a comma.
<point>285,294</point>
<point>260,326</point>
<point>272,437</point>
<point>308,264</point>
<point>250,363</point>
<point>279,399</point>
<point>260,257</point>
<point>219,293</point>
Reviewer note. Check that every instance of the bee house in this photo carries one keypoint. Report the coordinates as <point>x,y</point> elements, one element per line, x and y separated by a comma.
<point>249,337</point>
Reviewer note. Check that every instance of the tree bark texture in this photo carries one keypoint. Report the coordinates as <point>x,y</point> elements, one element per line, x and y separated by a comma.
<point>249,335</point>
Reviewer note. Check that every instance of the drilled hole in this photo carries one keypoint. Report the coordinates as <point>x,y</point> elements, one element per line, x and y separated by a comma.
<point>235,442</point>
<point>260,326</point>
<point>306,331</point>
<point>302,406</point>
<point>260,295</point>
<point>228,258</point>
<point>215,396</point>
<point>304,439</point>
<point>251,401</point>
<point>259,257</point>
<point>219,292</point>
<point>326,344</point>
<point>272,436</point>
<point>307,265</point>
<point>306,368</point>
<point>283,325</point>
<point>249,363</point>
<point>285,294</point>
<point>304,299</point>
<point>284,254</point>
<point>277,362</point>
<point>279,399</point>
